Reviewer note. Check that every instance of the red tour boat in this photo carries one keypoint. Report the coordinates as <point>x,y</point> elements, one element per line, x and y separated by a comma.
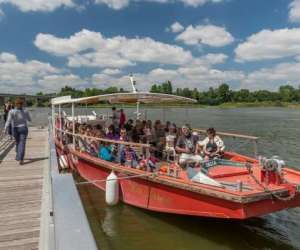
<point>234,187</point>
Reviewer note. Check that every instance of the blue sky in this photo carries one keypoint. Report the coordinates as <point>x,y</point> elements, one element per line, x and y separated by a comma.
<point>45,45</point>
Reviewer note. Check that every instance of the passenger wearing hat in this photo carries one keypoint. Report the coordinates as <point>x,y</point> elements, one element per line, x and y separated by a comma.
<point>18,118</point>
<point>212,146</point>
<point>186,145</point>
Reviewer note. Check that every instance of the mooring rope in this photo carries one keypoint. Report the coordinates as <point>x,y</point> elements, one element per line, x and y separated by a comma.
<point>119,178</point>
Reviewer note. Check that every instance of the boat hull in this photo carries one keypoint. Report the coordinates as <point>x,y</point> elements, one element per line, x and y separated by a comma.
<point>158,197</point>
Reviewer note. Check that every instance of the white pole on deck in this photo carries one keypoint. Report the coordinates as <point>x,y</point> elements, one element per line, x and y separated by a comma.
<point>73,125</point>
<point>60,121</point>
<point>138,110</point>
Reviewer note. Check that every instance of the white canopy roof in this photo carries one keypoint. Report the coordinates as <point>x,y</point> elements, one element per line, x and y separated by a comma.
<point>142,97</point>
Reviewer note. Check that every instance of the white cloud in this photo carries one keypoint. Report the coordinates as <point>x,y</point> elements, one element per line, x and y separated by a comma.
<point>114,4</point>
<point>109,71</point>
<point>7,58</point>
<point>268,44</point>
<point>191,76</point>
<point>176,27</point>
<point>51,5</point>
<point>79,42</point>
<point>215,58</point>
<point>52,83</point>
<point>91,49</point>
<point>1,14</point>
<point>39,5</point>
<point>196,3</point>
<point>294,14</point>
<point>99,59</point>
<point>210,35</point>
<point>120,4</point>
<point>272,78</point>
<point>32,76</point>
<point>17,73</point>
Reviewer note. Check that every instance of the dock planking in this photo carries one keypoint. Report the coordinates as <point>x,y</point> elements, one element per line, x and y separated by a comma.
<point>21,189</point>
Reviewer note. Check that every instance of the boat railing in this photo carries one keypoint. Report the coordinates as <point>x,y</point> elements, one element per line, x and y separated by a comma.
<point>104,139</point>
<point>249,137</point>
<point>254,139</point>
<point>140,148</point>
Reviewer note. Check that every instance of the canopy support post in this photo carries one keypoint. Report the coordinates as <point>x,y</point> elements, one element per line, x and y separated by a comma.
<point>60,121</point>
<point>73,125</point>
<point>137,110</point>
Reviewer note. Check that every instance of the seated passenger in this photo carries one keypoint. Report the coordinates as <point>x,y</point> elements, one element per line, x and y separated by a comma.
<point>159,130</point>
<point>212,146</point>
<point>105,152</point>
<point>128,125</point>
<point>135,135</point>
<point>123,135</point>
<point>119,147</point>
<point>81,141</point>
<point>167,126</point>
<point>94,149</point>
<point>185,146</point>
<point>129,157</point>
<point>111,133</point>
<point>147,134</point>
<point>171,137</point>
<point>151,162</point>
<point>170,141</point>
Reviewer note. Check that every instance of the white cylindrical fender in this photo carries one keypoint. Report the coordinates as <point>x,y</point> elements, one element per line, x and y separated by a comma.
<point>112,189</point>
<point>63,162</point>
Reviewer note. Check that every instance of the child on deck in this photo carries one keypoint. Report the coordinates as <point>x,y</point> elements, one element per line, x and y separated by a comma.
<point>105,152</point>
<point>129,157</point>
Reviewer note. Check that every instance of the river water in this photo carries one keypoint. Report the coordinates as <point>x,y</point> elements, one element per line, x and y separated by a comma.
<point>126,227</point>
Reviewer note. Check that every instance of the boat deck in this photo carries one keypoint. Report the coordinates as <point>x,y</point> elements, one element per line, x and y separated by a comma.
<point>21,189</point>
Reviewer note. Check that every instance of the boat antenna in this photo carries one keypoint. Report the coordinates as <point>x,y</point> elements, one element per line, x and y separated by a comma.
<point>134,90</point>
<point>133,83</point>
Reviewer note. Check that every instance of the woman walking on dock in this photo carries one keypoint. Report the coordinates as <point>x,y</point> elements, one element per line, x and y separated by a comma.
<point>18,118</point>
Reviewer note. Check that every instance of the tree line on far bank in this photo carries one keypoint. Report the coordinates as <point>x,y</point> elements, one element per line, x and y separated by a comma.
<point>213,96</point>
<point>223,94</point>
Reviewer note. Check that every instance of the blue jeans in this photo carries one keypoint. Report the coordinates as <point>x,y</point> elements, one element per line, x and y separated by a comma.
<point>20,134</point>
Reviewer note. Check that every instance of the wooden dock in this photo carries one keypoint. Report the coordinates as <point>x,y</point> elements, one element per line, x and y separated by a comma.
<point>21,188</point>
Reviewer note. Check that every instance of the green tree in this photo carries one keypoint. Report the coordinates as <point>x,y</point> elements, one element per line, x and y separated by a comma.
<point>224,93</point>
<point>153,88</point>
<point>287,93</point>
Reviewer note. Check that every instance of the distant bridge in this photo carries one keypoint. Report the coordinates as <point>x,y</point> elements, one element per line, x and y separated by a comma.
<point>5,96</point>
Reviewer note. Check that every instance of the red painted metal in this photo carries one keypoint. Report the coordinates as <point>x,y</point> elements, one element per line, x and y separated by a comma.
<point>158,196</point>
